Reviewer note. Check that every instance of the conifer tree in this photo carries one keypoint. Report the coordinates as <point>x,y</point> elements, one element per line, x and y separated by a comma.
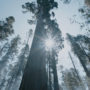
<point>35,75</point>
<point>71,81</point>
<point>18,69</point>
<point>6,27</point>
<point>7,59</point>
<point>79,52</point>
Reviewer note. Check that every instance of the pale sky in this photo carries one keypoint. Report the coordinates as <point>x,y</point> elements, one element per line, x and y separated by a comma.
<point>63,15</point>
<point>14,8</point>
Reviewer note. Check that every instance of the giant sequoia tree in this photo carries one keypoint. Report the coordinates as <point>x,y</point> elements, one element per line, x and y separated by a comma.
<point>35,75</point>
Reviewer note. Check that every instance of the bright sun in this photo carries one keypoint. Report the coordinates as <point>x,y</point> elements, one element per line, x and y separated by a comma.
<point>49,43</point>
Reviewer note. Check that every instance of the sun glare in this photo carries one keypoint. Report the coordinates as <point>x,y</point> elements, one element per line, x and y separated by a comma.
<point>49,43</point>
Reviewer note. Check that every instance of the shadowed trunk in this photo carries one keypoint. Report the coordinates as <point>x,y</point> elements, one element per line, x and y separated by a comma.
<point>56,84</point>
<point>35,76</point>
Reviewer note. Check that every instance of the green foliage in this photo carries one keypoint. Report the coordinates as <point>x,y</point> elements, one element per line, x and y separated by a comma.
<point>11,52</point>
<point>45,5</point>
<point>86,11</point>
<point>18,68</point>
<point>80,52</point>
<point>7,59</point>
<point>30,7</point>
<point>6,27</point>
<point>87,2</point>
<point>41,11</point>
<point>71,81</point>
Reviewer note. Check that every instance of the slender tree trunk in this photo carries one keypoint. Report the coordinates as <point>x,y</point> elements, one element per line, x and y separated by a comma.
<point>49,77</point>
<point>82,60</point>
<point>74,66</point>
<point>84,52</point>
<point>50,81</point>
<point>2,49</point>
<point>79,52</point>
<point>56,84</point>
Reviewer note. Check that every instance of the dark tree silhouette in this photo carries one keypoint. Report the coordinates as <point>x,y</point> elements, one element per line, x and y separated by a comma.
<point>87,2</point>
<point>35,75</point>
<point>18,69</point>
<point>79,52</point>
<point>8,57</point>
<point>12,50</point>
<point>6,27</point>
<point>71,81</point>
<point>84,43</point>
<point>74,67</point>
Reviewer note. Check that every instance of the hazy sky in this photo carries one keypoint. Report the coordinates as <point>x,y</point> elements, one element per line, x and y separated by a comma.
<point>14,8</point>
<point>66,14</point>
<point>63,15</point>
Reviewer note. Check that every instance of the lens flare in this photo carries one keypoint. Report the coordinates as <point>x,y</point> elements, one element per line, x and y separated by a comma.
<point>49,43</point>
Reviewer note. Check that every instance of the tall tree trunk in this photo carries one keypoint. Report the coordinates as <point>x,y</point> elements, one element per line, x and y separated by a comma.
<point>56,84</point>
<point>4,47</point>
<point>79,52</point>
<point>35,76</point>
<point>85,52</point>
<point>74,67</point>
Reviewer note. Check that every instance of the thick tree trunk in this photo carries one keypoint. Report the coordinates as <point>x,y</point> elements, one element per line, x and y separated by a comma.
<point>35,76</point>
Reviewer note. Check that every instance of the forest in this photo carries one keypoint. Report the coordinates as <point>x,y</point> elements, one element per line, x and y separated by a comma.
<point>45,45</point>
